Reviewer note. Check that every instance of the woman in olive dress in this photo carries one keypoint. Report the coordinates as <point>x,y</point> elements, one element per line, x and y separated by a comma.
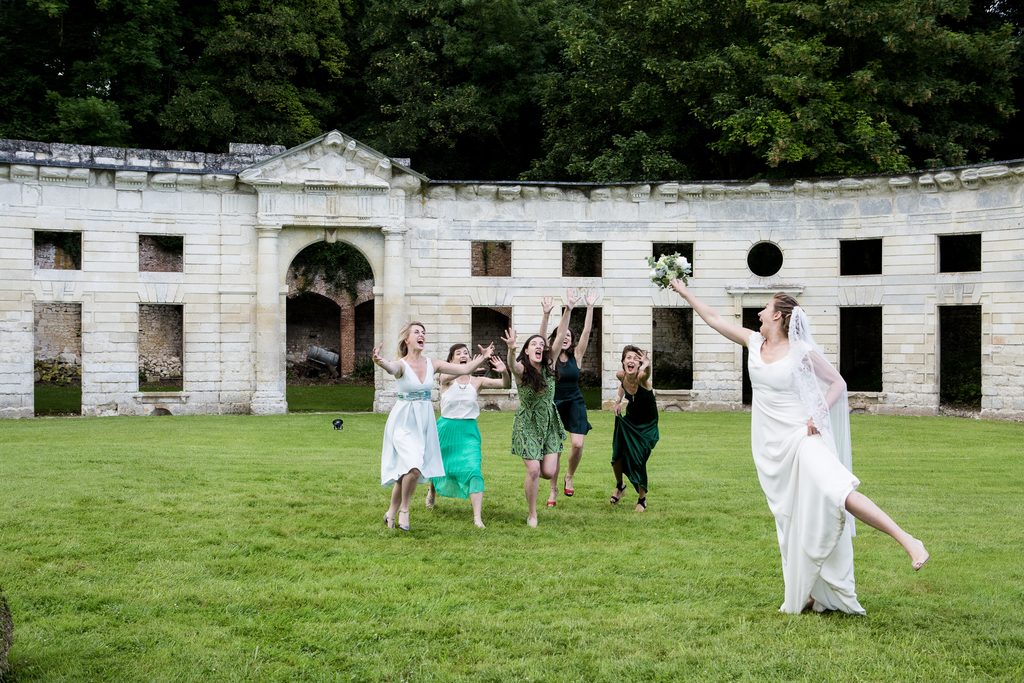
<point>568,397</point>
<point>537,434</point>
<point>636,432</point>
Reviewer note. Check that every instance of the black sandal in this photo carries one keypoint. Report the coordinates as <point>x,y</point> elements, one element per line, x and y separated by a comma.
<point>618,489</point>
<point>642,502</point>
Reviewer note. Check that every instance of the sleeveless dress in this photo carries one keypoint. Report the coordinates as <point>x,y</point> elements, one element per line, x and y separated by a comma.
<point>806,487</point>
<point>537,429</point>
<point>569,399</point>
<point>636,435</point>
<point>460,442</point>
<point>410,435</point>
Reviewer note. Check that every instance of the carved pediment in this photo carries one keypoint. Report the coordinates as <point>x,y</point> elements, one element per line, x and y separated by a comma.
<point>331,164</point>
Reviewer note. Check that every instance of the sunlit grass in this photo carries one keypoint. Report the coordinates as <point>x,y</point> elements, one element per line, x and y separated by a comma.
<point>252,548</point>
<point>332,397</point>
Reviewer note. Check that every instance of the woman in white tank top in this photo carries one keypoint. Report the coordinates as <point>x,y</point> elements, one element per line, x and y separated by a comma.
<point>459,435</point>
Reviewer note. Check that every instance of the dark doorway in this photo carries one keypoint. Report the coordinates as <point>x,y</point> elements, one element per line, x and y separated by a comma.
<point>960,355</point>
<point>860,347</point>
<point>488,325</point>
<point>161,347</point>
<point>672,355</point>
<point>312,320</point>
<point>58,358</point>
<point>751,322</point>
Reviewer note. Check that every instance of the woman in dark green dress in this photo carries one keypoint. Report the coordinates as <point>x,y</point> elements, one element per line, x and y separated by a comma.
<point>568,397</point>
<point>537,433</point>
<point>636,432</point>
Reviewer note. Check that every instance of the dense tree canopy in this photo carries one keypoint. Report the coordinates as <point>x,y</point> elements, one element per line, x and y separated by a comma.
<point>538,89</point>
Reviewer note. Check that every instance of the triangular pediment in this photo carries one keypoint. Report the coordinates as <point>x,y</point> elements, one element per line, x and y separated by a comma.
<point>331,161</point>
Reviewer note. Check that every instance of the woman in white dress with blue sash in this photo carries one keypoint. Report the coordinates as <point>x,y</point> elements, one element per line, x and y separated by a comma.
<point>800,437</point>
<point>411,452</point>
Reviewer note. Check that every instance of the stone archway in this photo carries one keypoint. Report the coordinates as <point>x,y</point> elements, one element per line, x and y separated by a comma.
<point>346,293</point>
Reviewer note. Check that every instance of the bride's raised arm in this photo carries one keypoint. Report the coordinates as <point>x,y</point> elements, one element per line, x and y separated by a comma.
<point>713,318</point>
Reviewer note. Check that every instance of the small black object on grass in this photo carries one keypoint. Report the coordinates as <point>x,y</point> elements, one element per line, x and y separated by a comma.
<point>338,424</point>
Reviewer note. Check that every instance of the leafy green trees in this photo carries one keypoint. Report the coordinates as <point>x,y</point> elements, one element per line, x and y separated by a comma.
<point>455,83</point>
<point>676,88</point>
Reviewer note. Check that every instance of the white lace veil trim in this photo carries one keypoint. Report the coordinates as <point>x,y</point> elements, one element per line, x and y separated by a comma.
<point>814,375</point>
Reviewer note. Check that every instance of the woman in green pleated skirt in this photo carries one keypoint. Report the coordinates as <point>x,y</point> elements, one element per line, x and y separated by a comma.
<point>459,434</point>
<point>636,430</point>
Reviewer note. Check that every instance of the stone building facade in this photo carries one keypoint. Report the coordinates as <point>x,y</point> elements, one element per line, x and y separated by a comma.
<point>245,215</point>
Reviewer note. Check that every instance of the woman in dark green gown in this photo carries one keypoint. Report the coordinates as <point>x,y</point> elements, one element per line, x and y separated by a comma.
<point>568,397</point>
<point>636,431</point>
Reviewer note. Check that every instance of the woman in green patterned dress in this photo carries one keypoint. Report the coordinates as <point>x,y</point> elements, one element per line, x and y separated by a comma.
<point>537,433</point>
<point>636,432</point>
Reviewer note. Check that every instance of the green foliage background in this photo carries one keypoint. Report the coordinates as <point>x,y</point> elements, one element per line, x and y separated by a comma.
<point>536,89</point>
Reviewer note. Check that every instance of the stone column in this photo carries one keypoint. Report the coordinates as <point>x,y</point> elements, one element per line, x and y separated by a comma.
<point>347,343</point>
<point>394,309</point>
<point>269,398</point>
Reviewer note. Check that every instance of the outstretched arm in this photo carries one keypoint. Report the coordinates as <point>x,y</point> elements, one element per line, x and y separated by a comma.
<point>563,324</point>
<point>713,318</point>
<point>546,305</point>
<point>470,367</point>
<point>622,390</point>
<point>504,383</point>
<point>830,376</point>
<point>392,367</point>
<point>645,371</point>
<point>584,340</point>
<point>515,366</point>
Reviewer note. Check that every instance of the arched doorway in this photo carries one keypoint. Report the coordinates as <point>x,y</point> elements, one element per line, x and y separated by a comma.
<point>330,286</point>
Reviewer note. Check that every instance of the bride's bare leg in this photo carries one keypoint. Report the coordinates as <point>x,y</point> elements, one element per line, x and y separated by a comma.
<point>861,507</point>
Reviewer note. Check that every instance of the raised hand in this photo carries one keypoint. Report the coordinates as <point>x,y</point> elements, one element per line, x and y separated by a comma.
<point>645,361</point>
<point>488,352</point>
<point>546,304</point>
<point>571,297</point>
<point>498,366</point>
<point>678,286</point>
<point>592,296</point>
<point>376,354</point>
<point>509,339</point>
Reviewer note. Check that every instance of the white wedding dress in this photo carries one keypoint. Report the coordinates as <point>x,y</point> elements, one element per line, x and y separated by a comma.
<point>804,481</point>
<point>410,435</point>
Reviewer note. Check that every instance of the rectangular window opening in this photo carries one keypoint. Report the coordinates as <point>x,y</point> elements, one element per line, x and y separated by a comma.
<point>161,253</point>
<point>959,253</point>
<point>672,347</point>
<point>682,248</point>
<point>58,250</point>
<point>488,324</point>
<point>590,371</point>
<point>960,356</point>
<point>492,259</point>
<point>860,257</point>
<point>581,259</point>
<point>860,347</point>
<point>57,359</point>
<point>161,344</point>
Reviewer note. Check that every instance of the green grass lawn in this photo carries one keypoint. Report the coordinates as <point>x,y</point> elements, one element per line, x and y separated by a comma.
<point>242,548</point>
<point>344,398</point>
<point>51,400</point>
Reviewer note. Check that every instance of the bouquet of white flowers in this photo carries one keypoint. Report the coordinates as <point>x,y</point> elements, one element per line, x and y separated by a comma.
<point>669,267</point>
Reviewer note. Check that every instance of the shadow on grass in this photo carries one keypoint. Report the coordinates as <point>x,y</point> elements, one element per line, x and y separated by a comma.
<point>52,400</point>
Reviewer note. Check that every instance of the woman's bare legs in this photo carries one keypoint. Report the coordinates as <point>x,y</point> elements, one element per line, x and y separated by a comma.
<point>535,471</point>
<point>553,496</point>
<point>408,484</point>
<point>575,454</point>
<point>619,486</point>
<point>431,496</point>
<point>641,495</point>
<point>861,507</point>
<point>477,499</point>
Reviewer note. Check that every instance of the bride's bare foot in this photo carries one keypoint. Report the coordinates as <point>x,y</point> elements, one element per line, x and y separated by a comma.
<point>809,605</point>
<point>430,497</point>
<point>532,521</point>
<point>918,555</point>
<point>479,523</point>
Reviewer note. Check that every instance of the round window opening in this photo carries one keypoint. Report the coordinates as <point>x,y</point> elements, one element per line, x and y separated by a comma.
<point>764,259</point>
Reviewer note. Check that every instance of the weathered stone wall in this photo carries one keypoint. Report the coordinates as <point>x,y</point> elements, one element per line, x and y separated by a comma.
<point>58,332</point>
<point>492,259</point>
<point>161,329</point>
<point>245,215</point>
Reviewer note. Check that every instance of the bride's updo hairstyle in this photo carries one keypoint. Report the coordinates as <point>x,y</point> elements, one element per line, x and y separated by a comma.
<point>403,336</point>
<point>785,304</point>
<point>454,348</point>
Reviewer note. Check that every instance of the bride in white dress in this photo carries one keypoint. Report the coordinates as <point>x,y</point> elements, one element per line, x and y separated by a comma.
<point>411,452</point>
<point>800,437</point>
